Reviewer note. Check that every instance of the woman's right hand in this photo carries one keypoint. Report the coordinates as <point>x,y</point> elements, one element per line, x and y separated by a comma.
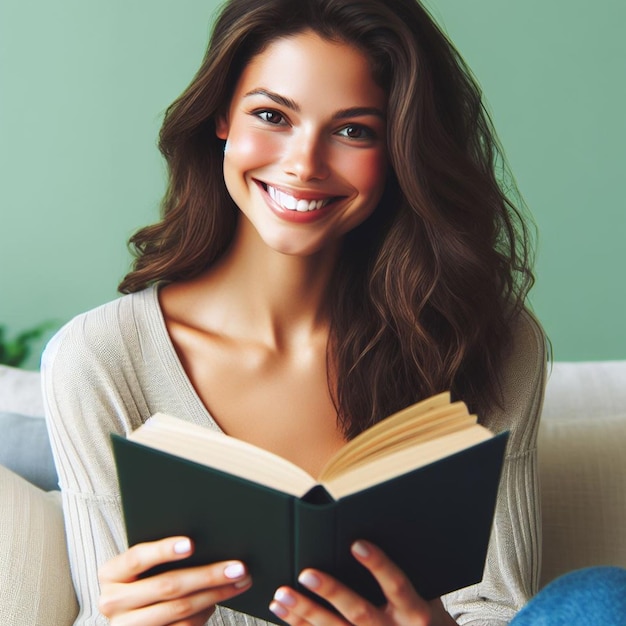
<point>183,597</point>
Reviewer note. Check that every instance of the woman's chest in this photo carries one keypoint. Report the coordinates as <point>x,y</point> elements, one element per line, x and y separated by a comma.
<point>279,402</point>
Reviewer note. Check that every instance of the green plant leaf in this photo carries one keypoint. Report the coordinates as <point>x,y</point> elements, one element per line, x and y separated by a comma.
<point>15,352</point>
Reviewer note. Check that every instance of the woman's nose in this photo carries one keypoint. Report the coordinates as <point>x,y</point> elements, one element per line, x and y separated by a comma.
<point>306,157</point>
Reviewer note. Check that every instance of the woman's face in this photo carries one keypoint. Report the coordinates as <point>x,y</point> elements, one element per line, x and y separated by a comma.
<point>305,155</point>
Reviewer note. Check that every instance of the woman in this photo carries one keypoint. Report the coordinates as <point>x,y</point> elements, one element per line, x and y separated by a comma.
<point>335,245</point>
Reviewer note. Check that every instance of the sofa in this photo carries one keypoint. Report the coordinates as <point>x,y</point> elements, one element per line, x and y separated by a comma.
<point>582,469</point>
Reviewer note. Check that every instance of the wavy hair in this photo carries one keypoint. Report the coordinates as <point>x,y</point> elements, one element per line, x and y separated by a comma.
<point>426,290</point>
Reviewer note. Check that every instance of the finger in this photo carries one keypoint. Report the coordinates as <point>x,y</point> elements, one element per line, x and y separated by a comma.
<point>188,610</point>
<point>128,565</point>
<point>396,587</point>
<point>228,577</point>
<point>181,610</point>
<point>298,610</point>
<point>197,620</point>
<point>352,606</point>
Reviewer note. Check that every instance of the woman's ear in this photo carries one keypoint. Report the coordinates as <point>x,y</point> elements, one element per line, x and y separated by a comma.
<point>221,127</point>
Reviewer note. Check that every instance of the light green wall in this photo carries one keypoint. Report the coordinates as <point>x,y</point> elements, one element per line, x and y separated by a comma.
<point>83,84</point>
<point>554,73</point>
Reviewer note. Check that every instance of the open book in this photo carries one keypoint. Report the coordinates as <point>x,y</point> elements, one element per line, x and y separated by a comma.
<point>401,484</point>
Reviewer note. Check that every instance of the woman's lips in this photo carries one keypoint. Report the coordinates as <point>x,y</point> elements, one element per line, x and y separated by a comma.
<point>301,201</point>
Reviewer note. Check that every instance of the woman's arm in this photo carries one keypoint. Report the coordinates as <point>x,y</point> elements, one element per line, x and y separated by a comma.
<point>85,400</point>
<point>513,561</point>
<point>93,386</point>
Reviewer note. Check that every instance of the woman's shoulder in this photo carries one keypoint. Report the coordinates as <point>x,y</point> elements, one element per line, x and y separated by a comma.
<point>523,381</point>
<point>108,332</point>
<point>529,349</point>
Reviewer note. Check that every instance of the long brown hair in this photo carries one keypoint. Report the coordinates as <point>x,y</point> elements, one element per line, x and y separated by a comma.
<point>426,290</point>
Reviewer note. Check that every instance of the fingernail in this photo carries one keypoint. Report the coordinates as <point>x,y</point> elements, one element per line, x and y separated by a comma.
<point>234,570</point>
<point>182,546</point>
<point>284,597</point>
<point>310,580</point>
<point>278,609</point>
<point>243,583</point>
<point>360,549</point>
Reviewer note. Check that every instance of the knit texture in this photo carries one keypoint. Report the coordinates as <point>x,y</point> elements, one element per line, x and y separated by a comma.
<point>111,368</point>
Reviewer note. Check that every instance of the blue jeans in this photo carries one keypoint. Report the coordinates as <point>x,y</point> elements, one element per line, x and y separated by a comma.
<point>595,596</point>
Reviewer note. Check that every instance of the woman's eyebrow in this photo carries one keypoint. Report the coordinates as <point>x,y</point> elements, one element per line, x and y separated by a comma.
<point>282,100</point>
<point>339,115</point>
<point>359,112</point>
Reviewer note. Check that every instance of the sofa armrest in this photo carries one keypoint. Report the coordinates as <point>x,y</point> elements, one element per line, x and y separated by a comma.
<point>582,467</point>
<point>35,582</point>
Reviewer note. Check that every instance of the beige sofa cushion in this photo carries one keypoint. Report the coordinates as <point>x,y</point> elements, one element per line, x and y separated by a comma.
<point>20,392</point>
<point>582,465</point>
<point>35,583</point>
<point>585,390</point>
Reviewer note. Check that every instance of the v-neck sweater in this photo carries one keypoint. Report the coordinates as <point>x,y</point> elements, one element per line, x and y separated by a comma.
<point>111,368</point>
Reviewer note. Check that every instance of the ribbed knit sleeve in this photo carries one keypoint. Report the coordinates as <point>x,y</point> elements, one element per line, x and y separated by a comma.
<point>107,371</point>
<point>88,394</point>
<point>513,562</point>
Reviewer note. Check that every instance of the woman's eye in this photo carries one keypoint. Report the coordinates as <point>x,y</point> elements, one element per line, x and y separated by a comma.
<point>356,131</point>
<point>271,117</point>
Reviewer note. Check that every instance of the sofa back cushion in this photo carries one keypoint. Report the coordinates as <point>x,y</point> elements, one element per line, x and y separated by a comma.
<point>20,391</point>
<point>24,445</point>
<point>25,449</point>
<point>586,390</point>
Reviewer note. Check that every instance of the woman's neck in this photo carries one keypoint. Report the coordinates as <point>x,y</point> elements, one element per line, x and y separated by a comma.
<point>263,295</point>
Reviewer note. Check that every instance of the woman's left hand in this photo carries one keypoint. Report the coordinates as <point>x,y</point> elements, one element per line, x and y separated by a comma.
<point>404,605</point>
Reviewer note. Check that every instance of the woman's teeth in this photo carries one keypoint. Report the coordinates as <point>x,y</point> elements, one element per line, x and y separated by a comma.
<point>293,204</point>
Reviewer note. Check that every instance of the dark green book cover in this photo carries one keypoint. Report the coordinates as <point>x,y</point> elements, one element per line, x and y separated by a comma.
<point>415,518</point>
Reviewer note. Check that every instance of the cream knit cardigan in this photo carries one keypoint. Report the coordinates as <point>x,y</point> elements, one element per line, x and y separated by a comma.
<point>109,369</point>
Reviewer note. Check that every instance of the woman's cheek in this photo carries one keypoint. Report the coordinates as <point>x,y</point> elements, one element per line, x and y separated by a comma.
<point>367,171</point>
<point>251,150</point>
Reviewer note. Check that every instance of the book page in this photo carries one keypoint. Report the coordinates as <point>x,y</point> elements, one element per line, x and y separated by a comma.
<point>413,437</point>
<point>222,452</point>
<point>399,439</point>
<point>403,461</point>
<point>414,422</point>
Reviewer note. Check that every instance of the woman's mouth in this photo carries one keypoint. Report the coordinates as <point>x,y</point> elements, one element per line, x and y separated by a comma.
<point>290,202</point>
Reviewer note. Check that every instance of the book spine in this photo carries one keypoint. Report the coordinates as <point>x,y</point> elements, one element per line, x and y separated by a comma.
<point>315,533</point>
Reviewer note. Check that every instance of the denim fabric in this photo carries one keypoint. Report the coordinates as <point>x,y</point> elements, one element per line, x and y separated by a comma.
<point>594,596</point>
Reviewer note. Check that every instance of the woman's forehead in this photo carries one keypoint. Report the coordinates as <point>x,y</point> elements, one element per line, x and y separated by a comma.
<point>308,66</point>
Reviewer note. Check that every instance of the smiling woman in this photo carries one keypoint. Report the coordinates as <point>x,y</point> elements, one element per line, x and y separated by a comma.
<point>305,169</point>
<point>334,246</point>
